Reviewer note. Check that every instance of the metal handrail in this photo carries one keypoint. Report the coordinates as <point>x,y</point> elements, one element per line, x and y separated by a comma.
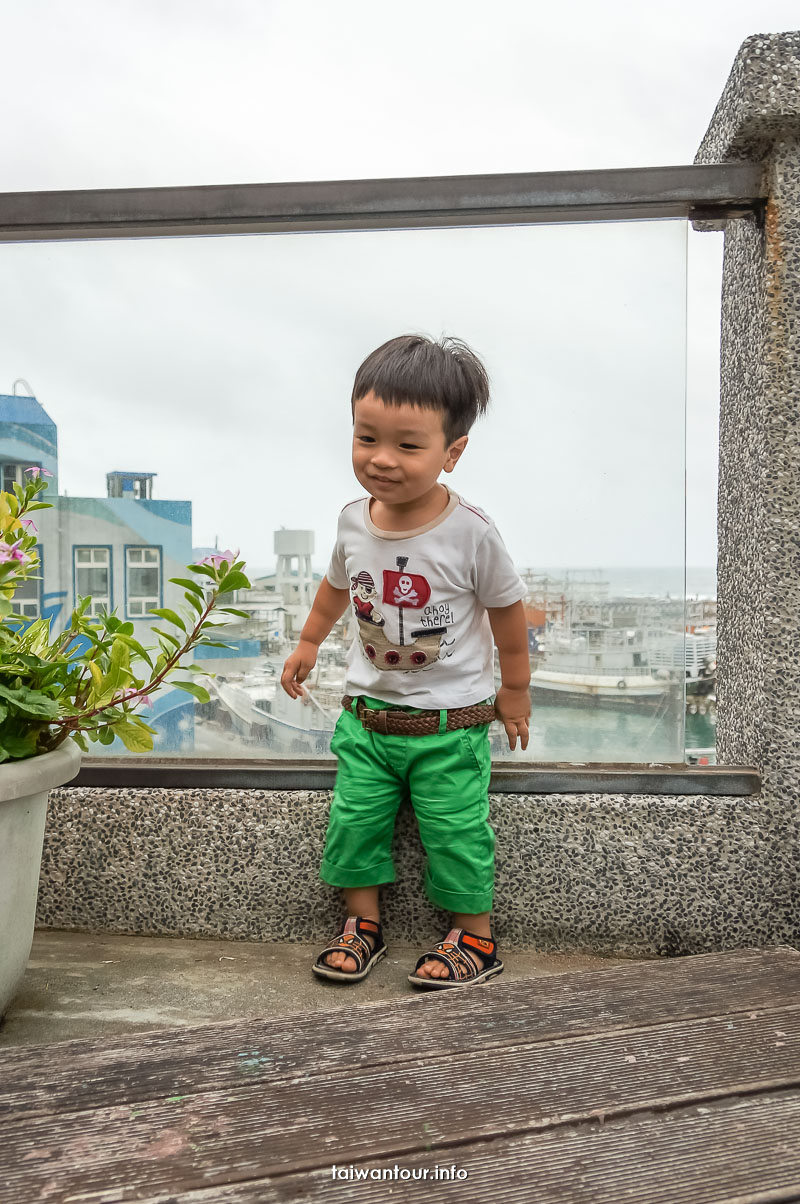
<point>708,193</point>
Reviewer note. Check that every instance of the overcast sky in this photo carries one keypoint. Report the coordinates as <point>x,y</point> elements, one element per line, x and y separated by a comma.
<point>216,361</point>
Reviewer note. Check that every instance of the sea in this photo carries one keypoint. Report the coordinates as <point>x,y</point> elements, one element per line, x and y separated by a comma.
<point>579,735</point>
<point>626,581</point>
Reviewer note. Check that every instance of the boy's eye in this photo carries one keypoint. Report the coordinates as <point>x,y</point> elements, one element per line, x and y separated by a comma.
<point>410,446</point>
<point>365,439</point>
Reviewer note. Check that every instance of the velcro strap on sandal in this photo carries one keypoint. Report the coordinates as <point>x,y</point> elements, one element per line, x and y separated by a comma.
<point>456,952</point>
<point>351,942</point>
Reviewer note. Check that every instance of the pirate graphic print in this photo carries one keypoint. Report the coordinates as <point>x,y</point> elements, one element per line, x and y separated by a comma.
<point>362,589</point>
<point>412,650</point>
<point>418,602</point>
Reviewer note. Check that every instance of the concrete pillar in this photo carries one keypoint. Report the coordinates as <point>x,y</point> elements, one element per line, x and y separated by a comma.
<point>758,610</point>
<point>758,713</point>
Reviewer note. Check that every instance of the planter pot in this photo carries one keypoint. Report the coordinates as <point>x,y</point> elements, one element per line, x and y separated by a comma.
<point>23,808</point>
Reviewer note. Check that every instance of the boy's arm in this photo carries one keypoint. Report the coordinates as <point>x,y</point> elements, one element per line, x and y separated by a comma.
<point>329,606</point>
<point>513,702</point>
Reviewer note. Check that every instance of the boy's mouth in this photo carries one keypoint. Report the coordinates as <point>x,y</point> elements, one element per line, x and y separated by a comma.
<point>384,480</point>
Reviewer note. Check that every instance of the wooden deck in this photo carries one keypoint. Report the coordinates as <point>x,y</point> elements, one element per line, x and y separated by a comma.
<point>669,1080</point>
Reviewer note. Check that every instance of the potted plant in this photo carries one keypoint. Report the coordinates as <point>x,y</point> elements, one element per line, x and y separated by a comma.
<point>59,691</point>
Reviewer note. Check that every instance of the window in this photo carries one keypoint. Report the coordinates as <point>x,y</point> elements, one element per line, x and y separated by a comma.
<point>92,568</point>
<point>14,474</point>
<point>26,597</point>
<point>142,580</point>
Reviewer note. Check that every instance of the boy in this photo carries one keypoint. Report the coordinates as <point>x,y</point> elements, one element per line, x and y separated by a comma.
<point>430,583</point>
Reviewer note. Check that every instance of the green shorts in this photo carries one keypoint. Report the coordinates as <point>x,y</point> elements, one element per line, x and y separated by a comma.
<point>446,776</point>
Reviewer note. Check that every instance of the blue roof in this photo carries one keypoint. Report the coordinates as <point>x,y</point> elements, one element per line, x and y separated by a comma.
<point>25,410</point>
<point>120,473</point>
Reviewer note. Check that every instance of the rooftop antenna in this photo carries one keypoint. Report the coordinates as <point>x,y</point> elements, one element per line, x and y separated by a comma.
<point>22,381</point>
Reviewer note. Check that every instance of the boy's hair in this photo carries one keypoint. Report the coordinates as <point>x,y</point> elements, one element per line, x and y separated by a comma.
<point>446,376</point>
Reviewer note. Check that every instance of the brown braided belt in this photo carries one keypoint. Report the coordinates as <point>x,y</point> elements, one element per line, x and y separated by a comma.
<point>426,723</point>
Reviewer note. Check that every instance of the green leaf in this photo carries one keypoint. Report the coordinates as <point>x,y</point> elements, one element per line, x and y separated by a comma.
<point>216,644</point>
<point>80,740</point>
<point>137,647</point>
<point>168,636</point>
<point>133,737</point>
<point>137,719</point>
<point>18,747</point>
<point>120,656</point>
<point>196,603</point>
<point>233,580</point>
<point>164,613</point>
<point>31,702</point>
<point>192,585</point>
<point>229,610</point>
<point>192,688</point>
<point>205,569</point>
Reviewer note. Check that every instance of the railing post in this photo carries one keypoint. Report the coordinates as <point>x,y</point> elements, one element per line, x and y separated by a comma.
<point>758,708</point>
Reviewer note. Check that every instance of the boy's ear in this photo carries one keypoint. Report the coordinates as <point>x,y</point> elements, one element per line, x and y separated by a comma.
<point>454,452</point>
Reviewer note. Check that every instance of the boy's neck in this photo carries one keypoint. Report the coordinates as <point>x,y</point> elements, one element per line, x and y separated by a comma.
<point>409,515</point>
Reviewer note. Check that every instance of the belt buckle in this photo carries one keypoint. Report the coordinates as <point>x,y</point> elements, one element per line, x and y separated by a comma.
<point>377,720</point>
<point>384,716</point>
<point>370,719</point>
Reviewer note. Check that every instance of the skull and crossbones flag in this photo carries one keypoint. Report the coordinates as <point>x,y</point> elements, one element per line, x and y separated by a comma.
<point>405,589</point>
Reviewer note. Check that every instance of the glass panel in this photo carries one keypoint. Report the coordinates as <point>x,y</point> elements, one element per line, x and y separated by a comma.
<point>94,582</point>
<point>225,366</point>
<point>26,599</point>
<point>143,581</point>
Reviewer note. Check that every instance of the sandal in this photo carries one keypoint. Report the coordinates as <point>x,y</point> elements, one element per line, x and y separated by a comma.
<point>351,942</point>
<point>454,951</point>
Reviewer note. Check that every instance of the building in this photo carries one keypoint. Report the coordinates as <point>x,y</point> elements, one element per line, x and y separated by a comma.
<point>121,550</point>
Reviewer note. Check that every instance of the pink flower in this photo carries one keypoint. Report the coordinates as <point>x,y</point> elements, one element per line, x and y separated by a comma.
<point>12,552</point>
<point>36,470</point>
<point>218,557</point>
<point>28,522</point>
<point>143,698</point>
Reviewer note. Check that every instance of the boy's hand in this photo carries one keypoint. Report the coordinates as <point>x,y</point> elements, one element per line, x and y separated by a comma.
<point>513,708</point>
<point>297,667</point>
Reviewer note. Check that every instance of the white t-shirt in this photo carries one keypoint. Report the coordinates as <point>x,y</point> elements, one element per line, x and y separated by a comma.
<point>419,599</point>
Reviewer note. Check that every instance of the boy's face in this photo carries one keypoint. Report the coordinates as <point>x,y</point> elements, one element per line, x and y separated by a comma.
<point>399,451</point>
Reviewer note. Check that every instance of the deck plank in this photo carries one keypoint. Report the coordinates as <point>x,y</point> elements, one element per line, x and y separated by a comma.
<point>89,1073</point>
<point>420,1107</point>
<point>741,1151</point>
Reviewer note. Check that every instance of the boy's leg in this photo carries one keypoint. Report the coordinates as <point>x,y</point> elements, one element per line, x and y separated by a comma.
<point>449,782</point>
<point>366,797</point>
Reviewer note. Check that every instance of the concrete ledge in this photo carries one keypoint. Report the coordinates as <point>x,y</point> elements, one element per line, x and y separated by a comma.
<point>635,875</point>
<point>600,777</point>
